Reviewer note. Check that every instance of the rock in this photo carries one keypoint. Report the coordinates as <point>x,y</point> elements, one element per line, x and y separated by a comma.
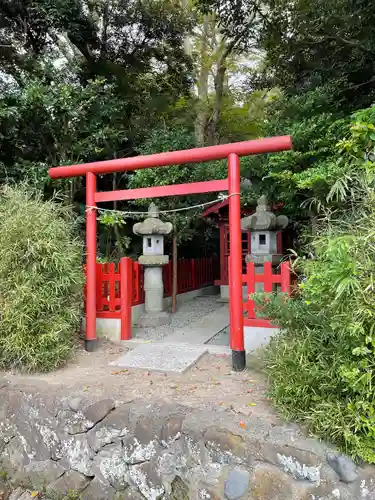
<point>74,422</point>
<point>100,437</point>
<point>366,484</point>
<point>4,489</point>
<point>146,479</point>
<point>222,445</point>
<point>179,490</point>
<point>40,474</point>
<point>144,431</point>
<point>236,484</point>
<point>16,495</point>
<point>110,467</point>
<point>134,452</point>
<point>98,490</point>
<point>114,425</point>
<point>27,423</point>
<point>15,456</point>
<point>161,422</point>
<point>98,411</point>
<point>75,403</point>
<point>132,494</point>
<point>118,419</point>
<point>171,429</point>
<point>343,466</point>
<point>280,443</point>
<point>75,453</point>
<point>270,483</point>
<point>70,481</point>
<point>299,470</point>
<point>26,495</point>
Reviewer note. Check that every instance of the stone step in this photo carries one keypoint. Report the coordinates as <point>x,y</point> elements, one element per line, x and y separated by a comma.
<point>171,358</point>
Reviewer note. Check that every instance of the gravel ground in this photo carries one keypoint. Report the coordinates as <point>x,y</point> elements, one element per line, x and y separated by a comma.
<point>210,384</point>
<point>186,313</point>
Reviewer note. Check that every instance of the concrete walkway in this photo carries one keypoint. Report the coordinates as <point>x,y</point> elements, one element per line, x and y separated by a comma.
<point>183,347</point>
<point>201,330</point>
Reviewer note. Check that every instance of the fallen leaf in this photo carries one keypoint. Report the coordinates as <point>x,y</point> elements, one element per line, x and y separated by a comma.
<point>120,372</point>
<point>243,425</point>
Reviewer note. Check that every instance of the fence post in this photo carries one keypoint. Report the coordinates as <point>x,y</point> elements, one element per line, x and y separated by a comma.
<point>126,277</point>
<point>285,278</point>
<point>194,279</point>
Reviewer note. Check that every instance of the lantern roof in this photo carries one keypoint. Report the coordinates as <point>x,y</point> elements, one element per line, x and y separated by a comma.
<point>153,224</point>
<point>264,219</point>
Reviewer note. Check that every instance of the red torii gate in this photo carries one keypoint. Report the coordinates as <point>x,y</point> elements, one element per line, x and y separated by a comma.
<point>230,151</point>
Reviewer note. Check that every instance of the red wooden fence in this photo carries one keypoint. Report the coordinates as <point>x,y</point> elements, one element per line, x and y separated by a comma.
<point>192,275</point>
<point>268,279</point>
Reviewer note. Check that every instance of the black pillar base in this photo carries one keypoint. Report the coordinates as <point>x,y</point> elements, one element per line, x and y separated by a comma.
<point>90,345</point>
<point>238,360</point>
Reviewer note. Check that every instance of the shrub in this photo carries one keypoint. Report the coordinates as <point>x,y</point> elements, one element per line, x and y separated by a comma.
<point>40,282</point>
<point>322,366</point>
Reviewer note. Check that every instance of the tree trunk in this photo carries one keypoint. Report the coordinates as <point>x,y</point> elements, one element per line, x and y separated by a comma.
<point>115,227</point>
<point>219,93</point>
<point>187,40</point>
<point>202,84</point>
<point>174,273</point>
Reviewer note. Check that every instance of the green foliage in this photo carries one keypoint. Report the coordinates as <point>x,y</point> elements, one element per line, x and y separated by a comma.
<point>322,366</point>
<point>43,125</point>
<point>170,140</point>
<point>310,44</point>
<point>306,172</point>
<point>41,279</point>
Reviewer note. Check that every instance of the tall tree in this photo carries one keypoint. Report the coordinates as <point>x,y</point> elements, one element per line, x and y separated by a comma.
<point>309,44</point>
<point>222,40</point>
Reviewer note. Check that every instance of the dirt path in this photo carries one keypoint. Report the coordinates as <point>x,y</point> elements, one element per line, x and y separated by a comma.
<point>210,384</point>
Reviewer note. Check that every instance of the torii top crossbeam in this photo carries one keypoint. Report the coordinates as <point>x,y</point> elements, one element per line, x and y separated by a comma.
<point>230,151</point>
<point>210,153</point>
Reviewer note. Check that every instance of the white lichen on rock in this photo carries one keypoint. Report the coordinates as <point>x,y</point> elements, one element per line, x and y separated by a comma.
<point>299,471</point>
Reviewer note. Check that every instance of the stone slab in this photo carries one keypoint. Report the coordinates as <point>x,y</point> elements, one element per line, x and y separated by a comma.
<point>160,357</point>
<point>201,330</point>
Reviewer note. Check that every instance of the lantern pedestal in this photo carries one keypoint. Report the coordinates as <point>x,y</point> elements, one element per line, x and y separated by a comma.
<point>154,292</point>
<point>153,259</point>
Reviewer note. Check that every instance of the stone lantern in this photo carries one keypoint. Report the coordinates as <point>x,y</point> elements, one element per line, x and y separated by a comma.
<point>263,226</point>
<point>153,259</point>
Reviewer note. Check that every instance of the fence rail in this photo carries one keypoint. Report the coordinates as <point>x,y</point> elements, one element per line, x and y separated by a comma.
<point>272,282</point>
<point>192,274</point>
